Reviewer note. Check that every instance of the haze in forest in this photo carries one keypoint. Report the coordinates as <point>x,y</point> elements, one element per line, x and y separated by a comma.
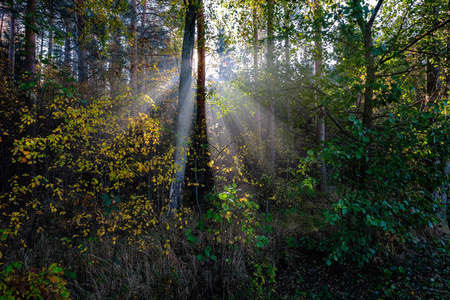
<point>218,149</point>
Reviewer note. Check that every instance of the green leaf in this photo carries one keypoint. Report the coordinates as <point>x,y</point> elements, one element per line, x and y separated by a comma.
<point>72,275</point>
<point>259,244</point>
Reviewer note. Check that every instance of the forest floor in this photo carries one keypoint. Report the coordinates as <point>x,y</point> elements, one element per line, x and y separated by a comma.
<point>421,271</point>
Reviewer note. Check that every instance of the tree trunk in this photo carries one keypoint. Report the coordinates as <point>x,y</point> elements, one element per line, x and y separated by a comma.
<point>366,29</point>
<point>67,45</point>
<point>30,40</point>
<point>50,40</point>
<point>258,114</point>
<point>142,57</point>
<point>30,65</point>
<point>201,73</point>
<point>1,25</point>
<point>144,18</point>
<point>12,43</point>
<point>432,91</point>
<point>184,110</point>
<point>41,51</point>
<point>203,173</point>
<point>133,50</point>
<point>81,39</point>
<point>287,54</point>
<point>370,78</point>
<point>270,67</point>
<point>320,125</point>
<point>433,70</point>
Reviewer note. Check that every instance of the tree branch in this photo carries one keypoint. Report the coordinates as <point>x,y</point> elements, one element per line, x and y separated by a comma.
<point>339,126</point>
<point>375,12</point>
<point>414,41</point>
<point>408,70</point>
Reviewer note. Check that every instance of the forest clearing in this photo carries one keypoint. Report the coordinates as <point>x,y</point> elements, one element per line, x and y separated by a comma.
<point>220,149</point>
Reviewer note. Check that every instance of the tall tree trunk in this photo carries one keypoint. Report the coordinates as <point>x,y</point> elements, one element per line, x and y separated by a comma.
<point>433,70</point>
<point>320,125</point>
<point>1,25</point>
<point>270,67</point>
<point>287,55</point>
<point>142,57</point>
<point>41,51</point>
<point>434,96</point>
<point>366,29</point>
<point>184,110</point>
<point>201,143</point>
<point>133,50</point>
<point>50,39</point>
<point>432,91</point>
<point>30,65</point>
<point>201,73</point>
<point>12,43</point>
<point>144,18</point>
<point>30,39</point>
<point>258,114</point>
<point>81,39</point>
<point>370,78</point>
<point>67,45</point>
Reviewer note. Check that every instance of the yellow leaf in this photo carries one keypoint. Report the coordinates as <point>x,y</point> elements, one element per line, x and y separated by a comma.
<point>5,133</point>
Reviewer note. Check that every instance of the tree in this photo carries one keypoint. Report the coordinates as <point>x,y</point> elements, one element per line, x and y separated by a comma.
<point>81,42</point>
<point>320,125</point>
<point>202,169</point>
<point>184,109</point>
<point>366,30</point>
<point>133,47</point>
<point>30,43</point>
<point>12,39</point>
<point>258,114</point>
<point>270,56</point>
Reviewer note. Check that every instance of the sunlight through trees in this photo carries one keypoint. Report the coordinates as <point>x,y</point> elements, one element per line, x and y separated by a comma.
<point>254,149</point>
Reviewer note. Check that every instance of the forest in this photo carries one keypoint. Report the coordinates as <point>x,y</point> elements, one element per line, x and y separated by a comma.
<point>224,149</point>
